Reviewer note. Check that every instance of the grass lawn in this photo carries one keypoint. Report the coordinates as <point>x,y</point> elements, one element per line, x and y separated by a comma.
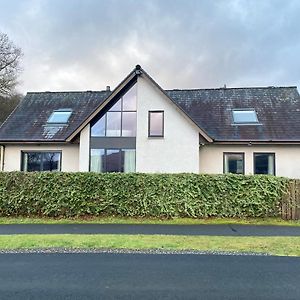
<point>287,246</point>
<point>178,221</point>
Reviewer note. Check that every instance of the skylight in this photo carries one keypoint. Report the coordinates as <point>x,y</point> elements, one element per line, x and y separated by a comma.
<point>244,116</point>
<point>60,116</point>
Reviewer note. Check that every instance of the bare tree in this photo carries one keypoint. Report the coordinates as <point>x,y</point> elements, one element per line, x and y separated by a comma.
<point>10,56</point>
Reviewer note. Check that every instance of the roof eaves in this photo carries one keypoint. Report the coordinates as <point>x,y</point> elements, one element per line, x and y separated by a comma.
<point>252,141</point>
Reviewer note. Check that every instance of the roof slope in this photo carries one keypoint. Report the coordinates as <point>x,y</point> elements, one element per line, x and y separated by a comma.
<point>29,120</point>
<point>278,111</point>
<point>277,108</point>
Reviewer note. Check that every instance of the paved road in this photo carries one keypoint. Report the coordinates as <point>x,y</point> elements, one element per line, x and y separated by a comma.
<point>141,276</point>
<point>219,230</point>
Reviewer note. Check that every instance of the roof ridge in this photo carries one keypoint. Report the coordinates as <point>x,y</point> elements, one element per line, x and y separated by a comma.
<point>67,92</point>
<point>235,88</point>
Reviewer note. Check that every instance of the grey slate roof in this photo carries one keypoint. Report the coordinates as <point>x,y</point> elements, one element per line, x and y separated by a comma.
<point>278,111</point>
<point>277,108</point>
<point>29,121</point>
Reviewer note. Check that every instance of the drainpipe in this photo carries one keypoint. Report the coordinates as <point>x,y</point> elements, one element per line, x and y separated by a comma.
<point>1,158</point>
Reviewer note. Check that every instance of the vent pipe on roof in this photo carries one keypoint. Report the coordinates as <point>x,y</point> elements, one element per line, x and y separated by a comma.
<point>225,86</point>
<point>108,88</point>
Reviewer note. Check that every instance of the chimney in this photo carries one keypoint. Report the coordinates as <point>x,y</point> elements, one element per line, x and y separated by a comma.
<point>108,88</point>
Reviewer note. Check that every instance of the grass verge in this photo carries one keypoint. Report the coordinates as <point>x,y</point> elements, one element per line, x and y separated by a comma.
<point>283,246</point>
<point>175,221</point>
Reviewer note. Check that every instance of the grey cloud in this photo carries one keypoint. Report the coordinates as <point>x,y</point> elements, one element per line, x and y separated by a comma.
<point>88,44</point>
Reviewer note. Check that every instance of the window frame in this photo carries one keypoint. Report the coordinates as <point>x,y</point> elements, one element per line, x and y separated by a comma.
<point>268,153</point>
<point>247,110</point>
<point>234,153</point>
<point>40,151</point>
<point>163,124</point>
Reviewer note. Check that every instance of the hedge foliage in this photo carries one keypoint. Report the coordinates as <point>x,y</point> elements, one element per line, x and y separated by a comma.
<point>139,195</point>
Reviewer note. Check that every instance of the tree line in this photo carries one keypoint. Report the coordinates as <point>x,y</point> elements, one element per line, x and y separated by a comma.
<point>10,57</point>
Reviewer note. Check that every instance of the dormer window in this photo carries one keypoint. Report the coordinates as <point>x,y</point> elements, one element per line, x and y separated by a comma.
<point>244,116</point>
<point>60,116</point>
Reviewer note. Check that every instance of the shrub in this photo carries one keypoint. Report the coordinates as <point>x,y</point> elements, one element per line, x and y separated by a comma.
<point>139,195</point>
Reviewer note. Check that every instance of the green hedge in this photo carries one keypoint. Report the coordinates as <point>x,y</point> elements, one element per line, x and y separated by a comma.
<point>139,195</point>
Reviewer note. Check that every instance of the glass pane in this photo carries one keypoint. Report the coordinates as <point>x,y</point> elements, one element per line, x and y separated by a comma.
<point>32,161</point>
<point>129,124</point>
<point>244,116</point>
<point>129,99</point>
<point>264,163</point>
<point>98,129</point>
<point>51,161</point>
<point>59,117</point>
<point>113,124</point>
<point>128,159</point>
<point>113,161</point>
<point>116,107</point>
<point>234,163</point>
<point>156,124</point>
<point>97,160</point>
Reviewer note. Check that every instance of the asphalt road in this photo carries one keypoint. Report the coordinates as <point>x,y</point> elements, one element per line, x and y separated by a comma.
<point>217,230</point>
<point>142,276</point>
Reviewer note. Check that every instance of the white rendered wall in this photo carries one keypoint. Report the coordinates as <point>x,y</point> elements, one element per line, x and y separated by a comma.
<point>287,158</point>
<point>178,150</point>
<point>69,157</point>
<point>84,149</point>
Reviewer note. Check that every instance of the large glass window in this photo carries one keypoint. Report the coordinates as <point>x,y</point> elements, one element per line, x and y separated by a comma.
<point>120,120</point>
<point>264,163</point>
<point>156,124</point>
<point>113,160</point>
<point>234,163</point>
<point>41,161</point>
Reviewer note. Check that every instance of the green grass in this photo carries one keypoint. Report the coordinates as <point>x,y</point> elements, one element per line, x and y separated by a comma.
<point>178,221</point>
<point>284,246</point>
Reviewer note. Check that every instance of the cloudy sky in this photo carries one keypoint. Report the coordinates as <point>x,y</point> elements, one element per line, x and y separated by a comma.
<point>88,44</point>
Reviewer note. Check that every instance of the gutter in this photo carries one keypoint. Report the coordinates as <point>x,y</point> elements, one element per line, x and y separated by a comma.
<point>2,150</point>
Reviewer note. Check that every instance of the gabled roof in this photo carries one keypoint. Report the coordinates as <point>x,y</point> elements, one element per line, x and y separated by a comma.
<point>277,108</point>
<point>28,123</point>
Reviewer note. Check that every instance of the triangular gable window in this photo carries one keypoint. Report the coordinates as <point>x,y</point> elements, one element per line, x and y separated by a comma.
<point>120,119</point>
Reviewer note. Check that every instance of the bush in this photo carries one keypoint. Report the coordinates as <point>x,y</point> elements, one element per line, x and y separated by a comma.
<point>139,195</point>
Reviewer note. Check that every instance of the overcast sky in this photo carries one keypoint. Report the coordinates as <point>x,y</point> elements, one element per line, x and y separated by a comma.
<point>88,44</point>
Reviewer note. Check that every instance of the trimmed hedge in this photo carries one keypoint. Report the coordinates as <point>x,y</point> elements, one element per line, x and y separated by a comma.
<point>139,195</point>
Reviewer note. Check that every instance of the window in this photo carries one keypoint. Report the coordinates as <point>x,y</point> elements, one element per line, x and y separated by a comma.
<point>120,119</point>
<point>234,163</point>
<point>113,160</point>
<point>97,160</point>
<point>41,161</point>
<point>60,116</point>
<point>264,163</point>
<point>156,124</point>
<point>244,116</point>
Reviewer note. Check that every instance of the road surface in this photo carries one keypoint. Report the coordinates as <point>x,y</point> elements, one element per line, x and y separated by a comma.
<point>148,276</point>
<point>217,230</point>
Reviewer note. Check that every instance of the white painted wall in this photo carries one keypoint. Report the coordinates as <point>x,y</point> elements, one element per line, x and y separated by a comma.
<point>84,149</point>
<point>69,163</point>
<point>178,150</point>
<point>287,158</point>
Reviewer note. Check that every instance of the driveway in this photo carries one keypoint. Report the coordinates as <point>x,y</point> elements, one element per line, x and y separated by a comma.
<point>148,276</point>
<point>217,230</point>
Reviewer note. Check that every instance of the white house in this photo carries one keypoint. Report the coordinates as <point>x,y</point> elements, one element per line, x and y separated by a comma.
<point>139,127</point>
